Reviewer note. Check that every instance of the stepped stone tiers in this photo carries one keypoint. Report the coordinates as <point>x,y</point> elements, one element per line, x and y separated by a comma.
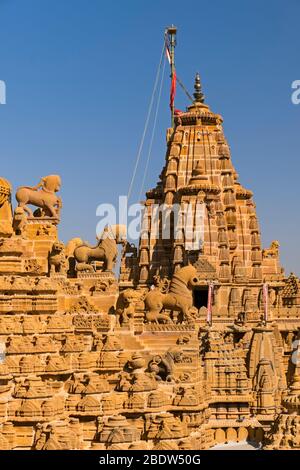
<point>193,345</point>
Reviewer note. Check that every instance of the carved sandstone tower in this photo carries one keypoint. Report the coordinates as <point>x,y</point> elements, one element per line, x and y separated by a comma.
<point>199,177</point>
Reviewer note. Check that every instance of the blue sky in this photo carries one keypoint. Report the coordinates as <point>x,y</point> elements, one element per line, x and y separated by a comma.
<point>79,76</point>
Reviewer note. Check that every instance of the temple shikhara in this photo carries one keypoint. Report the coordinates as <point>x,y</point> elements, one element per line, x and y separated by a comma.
<point>186,347</point>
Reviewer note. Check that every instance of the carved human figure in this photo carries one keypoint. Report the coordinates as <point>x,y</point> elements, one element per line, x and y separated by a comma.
<point>265,386</point>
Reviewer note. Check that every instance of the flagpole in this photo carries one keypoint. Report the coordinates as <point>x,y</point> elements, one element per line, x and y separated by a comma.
<point>171,31</point>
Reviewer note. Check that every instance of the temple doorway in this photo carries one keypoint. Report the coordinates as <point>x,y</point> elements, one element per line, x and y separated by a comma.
<point>200,296</point>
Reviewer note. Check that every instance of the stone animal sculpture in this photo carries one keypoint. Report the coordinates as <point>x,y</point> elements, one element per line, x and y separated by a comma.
<point>42,196</point>
<point>179,298</point>
<point>70,248</point>
<point>58,259</point>
<point>106,250</point>
<point>126,305</point>
<point>273,251</point>
<point>19,220</point>
<point>72,244</point>
<point>163,366</point>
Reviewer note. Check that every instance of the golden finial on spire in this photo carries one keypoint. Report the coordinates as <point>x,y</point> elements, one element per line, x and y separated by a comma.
<point>198,95</point>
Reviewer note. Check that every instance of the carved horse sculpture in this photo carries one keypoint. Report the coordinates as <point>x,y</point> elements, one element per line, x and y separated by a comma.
<point>42,196</point>
<point>179,298</point>
<point>106,250</point>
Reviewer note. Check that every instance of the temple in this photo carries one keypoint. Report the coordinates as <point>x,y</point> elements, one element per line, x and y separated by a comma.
<point>195,343</point>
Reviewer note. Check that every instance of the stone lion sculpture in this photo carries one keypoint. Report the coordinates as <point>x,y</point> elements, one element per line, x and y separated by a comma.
<point>273,251</point>
<point>58,259</point>
<point>179,298</point>
<point>126,304</point>
<point>19,220</point>
<point>106,250</point>
<point>42,196</point>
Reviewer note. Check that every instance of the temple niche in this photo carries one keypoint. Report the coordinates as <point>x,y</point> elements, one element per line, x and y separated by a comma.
<point>194,343</point>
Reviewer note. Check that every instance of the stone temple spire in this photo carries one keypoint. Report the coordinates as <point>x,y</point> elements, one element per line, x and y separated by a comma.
<point>198,95</point>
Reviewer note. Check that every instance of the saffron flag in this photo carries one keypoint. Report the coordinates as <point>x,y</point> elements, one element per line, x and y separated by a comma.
<point>167,46</point>
<point>168,54</point>
<point>173,90</point>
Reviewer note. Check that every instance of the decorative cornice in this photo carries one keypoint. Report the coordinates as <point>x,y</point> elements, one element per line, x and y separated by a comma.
<point>205,186</point>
